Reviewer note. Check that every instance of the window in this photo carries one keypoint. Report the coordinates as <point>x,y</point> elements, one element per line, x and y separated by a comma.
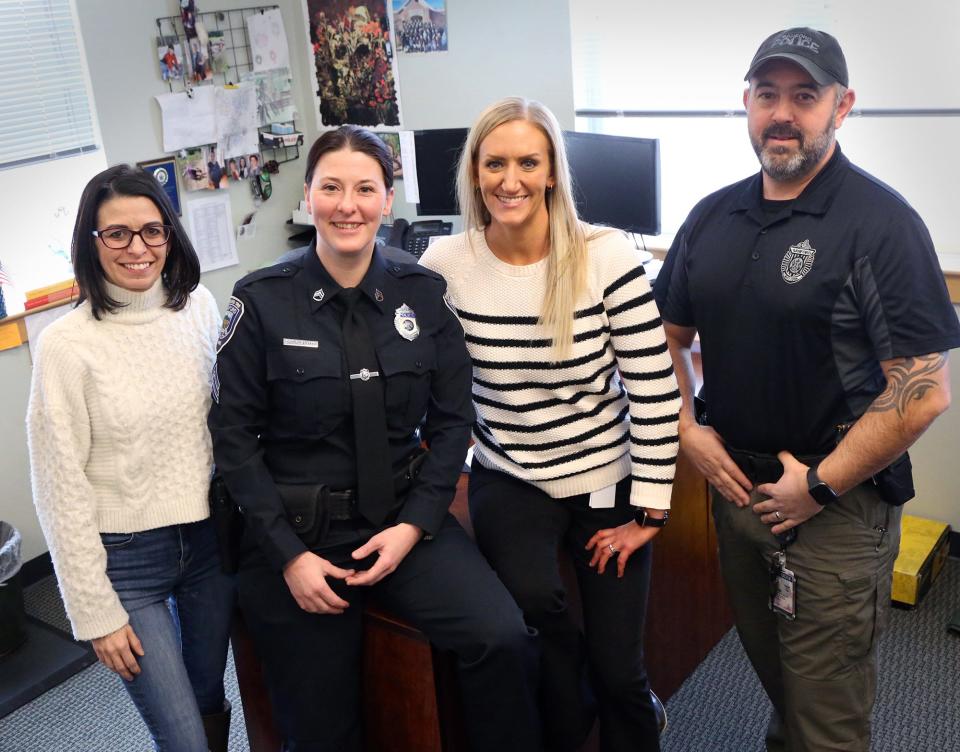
<point>49,141</point>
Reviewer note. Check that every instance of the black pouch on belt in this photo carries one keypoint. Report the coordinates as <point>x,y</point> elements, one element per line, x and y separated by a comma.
<point>228,524</point>
<point>306,511</point>
<point>895,481</point>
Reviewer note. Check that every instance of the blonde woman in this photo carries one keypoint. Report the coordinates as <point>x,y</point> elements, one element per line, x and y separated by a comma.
<point>576,430</point>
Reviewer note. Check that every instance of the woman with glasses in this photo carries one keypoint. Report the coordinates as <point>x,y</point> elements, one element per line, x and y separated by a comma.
<point>121,460</point>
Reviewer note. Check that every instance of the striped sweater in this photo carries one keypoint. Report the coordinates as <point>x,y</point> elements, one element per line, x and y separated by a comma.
<point>608,410</point>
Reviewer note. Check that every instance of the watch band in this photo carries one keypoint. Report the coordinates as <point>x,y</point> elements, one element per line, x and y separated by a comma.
<point>645,520</point>
<point>820,491</point>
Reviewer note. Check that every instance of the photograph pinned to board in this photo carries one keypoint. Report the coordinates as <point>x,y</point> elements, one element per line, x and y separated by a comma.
<point>268,40</point>
<point>392,140</point>
<point>188,17</point>
<point>243,167</point>
<point>170,55</point>
<point>199,61</point>
<point>201,169</point>
<point>274,95</point>
<point>165,172</point>
<point>354,69</point>
<point>217,52</point>
<point>420,25</point>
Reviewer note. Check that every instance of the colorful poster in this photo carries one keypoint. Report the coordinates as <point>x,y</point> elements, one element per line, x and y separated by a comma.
<point>420,25</point>
<point>354,68</point>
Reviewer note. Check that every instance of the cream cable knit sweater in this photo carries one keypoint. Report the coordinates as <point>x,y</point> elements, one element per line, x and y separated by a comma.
<point>116,427</point>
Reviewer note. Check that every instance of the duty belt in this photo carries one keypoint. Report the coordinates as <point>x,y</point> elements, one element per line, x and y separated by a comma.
<point>766,468</point>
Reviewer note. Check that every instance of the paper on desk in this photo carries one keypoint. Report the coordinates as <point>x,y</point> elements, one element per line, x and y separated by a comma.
<point>237,121</point>
<point>37,322</point>
<point>209,224</point>
<point>188,119</point>
<point>408,158</point>
<point>268,40</point>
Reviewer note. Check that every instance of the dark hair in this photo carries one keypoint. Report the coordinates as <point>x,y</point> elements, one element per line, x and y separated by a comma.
<point>181,270</point>
<point>352,138</point>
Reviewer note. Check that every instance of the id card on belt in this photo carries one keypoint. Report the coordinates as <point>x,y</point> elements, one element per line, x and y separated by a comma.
<point>783,587</point>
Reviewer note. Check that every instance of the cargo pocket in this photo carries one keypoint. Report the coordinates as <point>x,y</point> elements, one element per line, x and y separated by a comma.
<point>861,606</point>
<point>308,394</point>
<point>408,369</point>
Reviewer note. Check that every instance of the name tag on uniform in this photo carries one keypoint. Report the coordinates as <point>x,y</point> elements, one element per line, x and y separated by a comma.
<point>311,343</point>
<point>605,498</point>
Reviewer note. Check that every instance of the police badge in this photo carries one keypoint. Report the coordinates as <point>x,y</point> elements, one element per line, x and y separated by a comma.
<point>405,322</point>
<point>797,262</point>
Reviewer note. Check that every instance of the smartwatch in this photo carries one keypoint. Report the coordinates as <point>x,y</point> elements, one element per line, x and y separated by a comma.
<point>820,491</point>
<point>645,520</point>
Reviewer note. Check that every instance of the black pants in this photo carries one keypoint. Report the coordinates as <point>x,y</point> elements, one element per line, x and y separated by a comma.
<point>445,588</point>
<point>521,530</point>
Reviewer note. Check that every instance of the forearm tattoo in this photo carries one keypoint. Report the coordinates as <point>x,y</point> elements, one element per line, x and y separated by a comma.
<point>908,381</point>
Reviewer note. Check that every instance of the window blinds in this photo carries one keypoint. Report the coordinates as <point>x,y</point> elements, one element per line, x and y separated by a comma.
<point>44,105</point>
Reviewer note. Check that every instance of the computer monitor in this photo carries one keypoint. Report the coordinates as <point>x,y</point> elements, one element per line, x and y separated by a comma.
<point>438,153</point>
<point>616,180</point>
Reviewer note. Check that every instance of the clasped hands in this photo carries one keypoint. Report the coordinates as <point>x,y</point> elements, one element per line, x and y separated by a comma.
<point>789,504</point>
<point>306,575</point>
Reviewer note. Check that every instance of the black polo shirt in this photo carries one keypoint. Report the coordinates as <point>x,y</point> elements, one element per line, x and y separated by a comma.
<point>283,410</point>
<point>797,306</point>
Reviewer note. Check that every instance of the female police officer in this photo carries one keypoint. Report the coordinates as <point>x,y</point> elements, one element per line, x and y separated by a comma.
<point>328,367</point>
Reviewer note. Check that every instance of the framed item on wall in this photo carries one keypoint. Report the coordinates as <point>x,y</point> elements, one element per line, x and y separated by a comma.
<point>165,171</point>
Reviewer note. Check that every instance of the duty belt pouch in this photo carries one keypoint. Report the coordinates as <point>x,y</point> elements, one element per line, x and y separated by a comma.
<point>306,511</point>
<point>895,482</point>
<point>228,524</point>
<point>409,470</point>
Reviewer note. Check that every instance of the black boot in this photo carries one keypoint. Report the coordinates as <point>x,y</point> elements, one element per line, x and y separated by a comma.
<point>217,728</point>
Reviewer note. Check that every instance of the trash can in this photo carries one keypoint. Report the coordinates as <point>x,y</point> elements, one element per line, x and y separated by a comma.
<point>13,632</point>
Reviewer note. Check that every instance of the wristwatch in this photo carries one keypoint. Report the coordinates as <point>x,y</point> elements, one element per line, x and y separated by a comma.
<point>820,491</point>
<point>645,520</point>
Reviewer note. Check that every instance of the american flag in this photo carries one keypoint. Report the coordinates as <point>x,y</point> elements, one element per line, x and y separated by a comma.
<point>4,280</point>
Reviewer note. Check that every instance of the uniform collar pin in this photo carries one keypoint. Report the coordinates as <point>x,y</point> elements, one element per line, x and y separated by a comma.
<point>378,296</point>
<point>318,295</point>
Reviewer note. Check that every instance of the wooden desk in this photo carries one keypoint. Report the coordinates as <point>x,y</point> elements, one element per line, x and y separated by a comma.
<point>411,701</point>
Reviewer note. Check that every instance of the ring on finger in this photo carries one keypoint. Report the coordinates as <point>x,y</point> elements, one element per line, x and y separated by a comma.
<point>612,549</point>
<point>777,514</point>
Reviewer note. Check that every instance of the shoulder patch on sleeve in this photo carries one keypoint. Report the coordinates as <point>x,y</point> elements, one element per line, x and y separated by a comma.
<point>230,320</point>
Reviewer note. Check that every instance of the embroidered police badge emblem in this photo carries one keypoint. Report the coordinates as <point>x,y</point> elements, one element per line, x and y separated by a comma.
<point>405,322</point>
<point>797,262</point>
<point>230,320</point>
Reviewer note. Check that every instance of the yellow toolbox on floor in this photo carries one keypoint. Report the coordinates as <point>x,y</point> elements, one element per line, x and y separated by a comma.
<point>924,545</point>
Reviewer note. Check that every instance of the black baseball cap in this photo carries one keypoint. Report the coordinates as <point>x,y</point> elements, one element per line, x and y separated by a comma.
<point>817,52</point>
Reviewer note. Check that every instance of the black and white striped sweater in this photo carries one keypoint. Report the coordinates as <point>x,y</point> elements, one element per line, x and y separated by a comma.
<point>608,410</point>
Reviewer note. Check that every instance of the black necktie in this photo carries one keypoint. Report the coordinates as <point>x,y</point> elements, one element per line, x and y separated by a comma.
<point>374,468</point>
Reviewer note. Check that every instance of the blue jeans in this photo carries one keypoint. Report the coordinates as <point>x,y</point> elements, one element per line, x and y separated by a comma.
<point>180,606</point>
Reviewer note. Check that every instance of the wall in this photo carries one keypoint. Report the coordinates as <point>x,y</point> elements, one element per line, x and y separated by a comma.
<point>497,48</point>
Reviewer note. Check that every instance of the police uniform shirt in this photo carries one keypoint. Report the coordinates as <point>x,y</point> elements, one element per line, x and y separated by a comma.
<point>282,409</point>
<point>796,306</point>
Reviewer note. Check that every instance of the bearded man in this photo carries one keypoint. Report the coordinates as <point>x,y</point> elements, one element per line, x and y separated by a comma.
<point>824,326</point>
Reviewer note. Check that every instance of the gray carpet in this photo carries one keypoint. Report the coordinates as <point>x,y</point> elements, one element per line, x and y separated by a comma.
<point>720,708</point>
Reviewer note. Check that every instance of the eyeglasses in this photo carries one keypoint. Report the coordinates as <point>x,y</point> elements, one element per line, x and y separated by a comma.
<point>119,238</point>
